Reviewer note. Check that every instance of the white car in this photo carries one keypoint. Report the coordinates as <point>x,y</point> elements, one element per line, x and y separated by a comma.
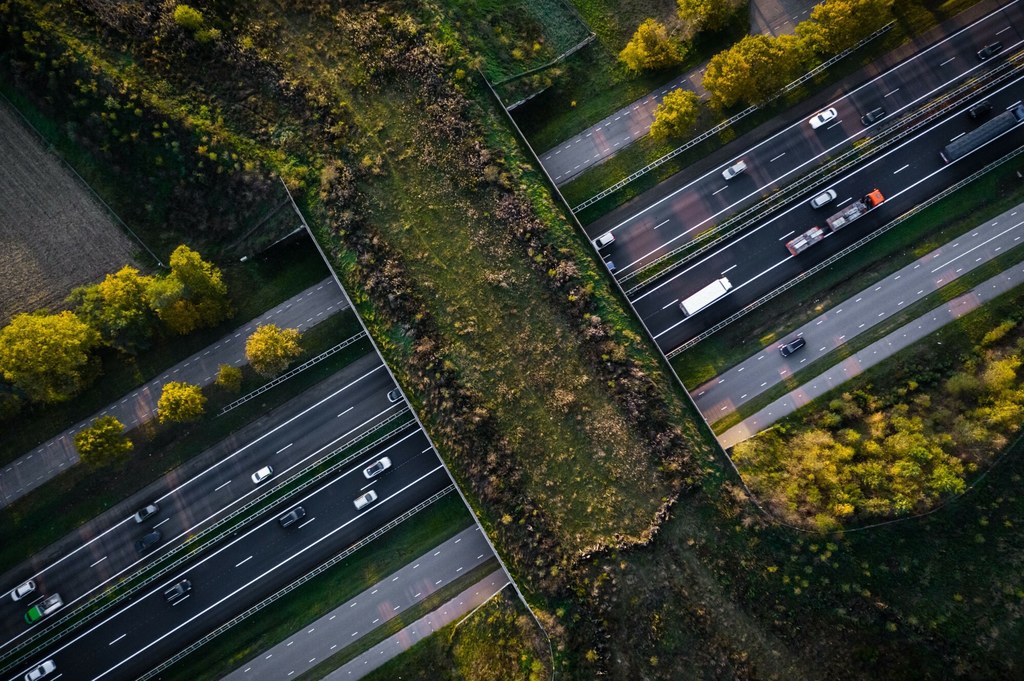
<point>377,467</point>
<point>42,670</point>
<point>362,501</point>
<point>22,590</point>
<point>824,198</point>
<point>262,475</point>
<point>734,170</point>
<point>606,239</point>
<point>822,117</point>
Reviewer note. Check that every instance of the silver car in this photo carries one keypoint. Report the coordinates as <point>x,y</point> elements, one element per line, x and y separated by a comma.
<point>45,669</point>
<point>606,239</point>
<point>362,500</point>
<point>22,590</point>
<point>377,467</point>
<point>823,199</point>
<point>734,170</point>
<point>262,475</point>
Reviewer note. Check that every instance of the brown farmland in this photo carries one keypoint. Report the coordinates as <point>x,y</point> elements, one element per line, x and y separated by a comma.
<point>54,235</point>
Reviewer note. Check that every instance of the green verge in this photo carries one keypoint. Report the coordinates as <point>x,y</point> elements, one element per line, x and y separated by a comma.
<point>960,212</point>
<point>81,492</point>
<point>254,287</point>
<point>430,527</point>
<point>918,309</point>
<point>396,624</point>
<point>492,644</point>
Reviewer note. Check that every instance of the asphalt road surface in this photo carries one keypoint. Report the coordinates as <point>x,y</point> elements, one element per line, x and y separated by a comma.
<point>873,354</point>
<point>694,200</point>
<point>199,492</point>
<point>454,610</point>
<point>233,576</point>
<point>350,621</point>
<point>302,311</point>
<point>767,367</point>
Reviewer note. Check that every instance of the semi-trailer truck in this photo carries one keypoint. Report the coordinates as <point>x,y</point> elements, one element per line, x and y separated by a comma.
<point>704,297</point>
<point>983,134</point>
<point>805,240</point>
<point>855,210</point>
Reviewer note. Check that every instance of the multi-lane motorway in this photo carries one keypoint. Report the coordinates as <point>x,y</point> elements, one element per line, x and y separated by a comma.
<point>757,261</point>
<point>254,564</point>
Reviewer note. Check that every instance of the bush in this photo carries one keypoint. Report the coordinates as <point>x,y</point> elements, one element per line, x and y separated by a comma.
<point>229,378</point>
<point>188,17</point>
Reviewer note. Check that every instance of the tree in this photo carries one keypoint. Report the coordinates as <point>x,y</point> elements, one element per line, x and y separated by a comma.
<point>677,114</point>
<point>229,378</point>
<point>103,442</point>
<point>117,308</point>
<point>188,17</point>
<point>753,70</point>
<point>270,349</point>
<point>708,15</point>
<point>44,355</point>
<point>181,402</point>
<point>193,295</point>
<point>836,25</point>
<point>651,48</point>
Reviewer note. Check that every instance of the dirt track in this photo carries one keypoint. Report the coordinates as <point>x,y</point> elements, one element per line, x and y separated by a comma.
<point>53,234</point>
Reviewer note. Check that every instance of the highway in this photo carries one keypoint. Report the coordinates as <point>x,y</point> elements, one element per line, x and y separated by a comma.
<point>191,500</point>
<point>693,201</point>
<point>232,577</point>
<point>757,262</point>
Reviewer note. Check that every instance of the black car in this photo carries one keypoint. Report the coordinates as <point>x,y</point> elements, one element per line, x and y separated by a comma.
<point>792,346</point>
<point>872,117</point>
<point>989,51</point>
<point>177,591</point>
<point>148,542</point>
<point>980,110</point>
<point>293,516</point>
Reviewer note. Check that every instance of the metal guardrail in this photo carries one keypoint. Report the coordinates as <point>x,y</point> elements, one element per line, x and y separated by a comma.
<point>191,547</point>
<point>729,121</point>
<point>846,251</point>
<point>833,168</point>
<point>291,373</point>
<point>294,585</point>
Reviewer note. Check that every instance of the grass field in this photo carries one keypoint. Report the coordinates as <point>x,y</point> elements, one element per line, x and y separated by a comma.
<point>55,234</point>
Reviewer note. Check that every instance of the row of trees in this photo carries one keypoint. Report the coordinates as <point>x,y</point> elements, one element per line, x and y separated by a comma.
<point>893,453</point>
<point>50,358</point>
<point>654,47</point>
<point>269,350</point>
<point>757,67</point>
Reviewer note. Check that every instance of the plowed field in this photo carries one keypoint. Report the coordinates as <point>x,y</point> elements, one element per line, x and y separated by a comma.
<point>53,233</point>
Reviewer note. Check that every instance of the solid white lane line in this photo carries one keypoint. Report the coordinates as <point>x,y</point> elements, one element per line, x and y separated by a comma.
<point>247,584</point>
<point>243,562</point>
<point>709,256</point>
